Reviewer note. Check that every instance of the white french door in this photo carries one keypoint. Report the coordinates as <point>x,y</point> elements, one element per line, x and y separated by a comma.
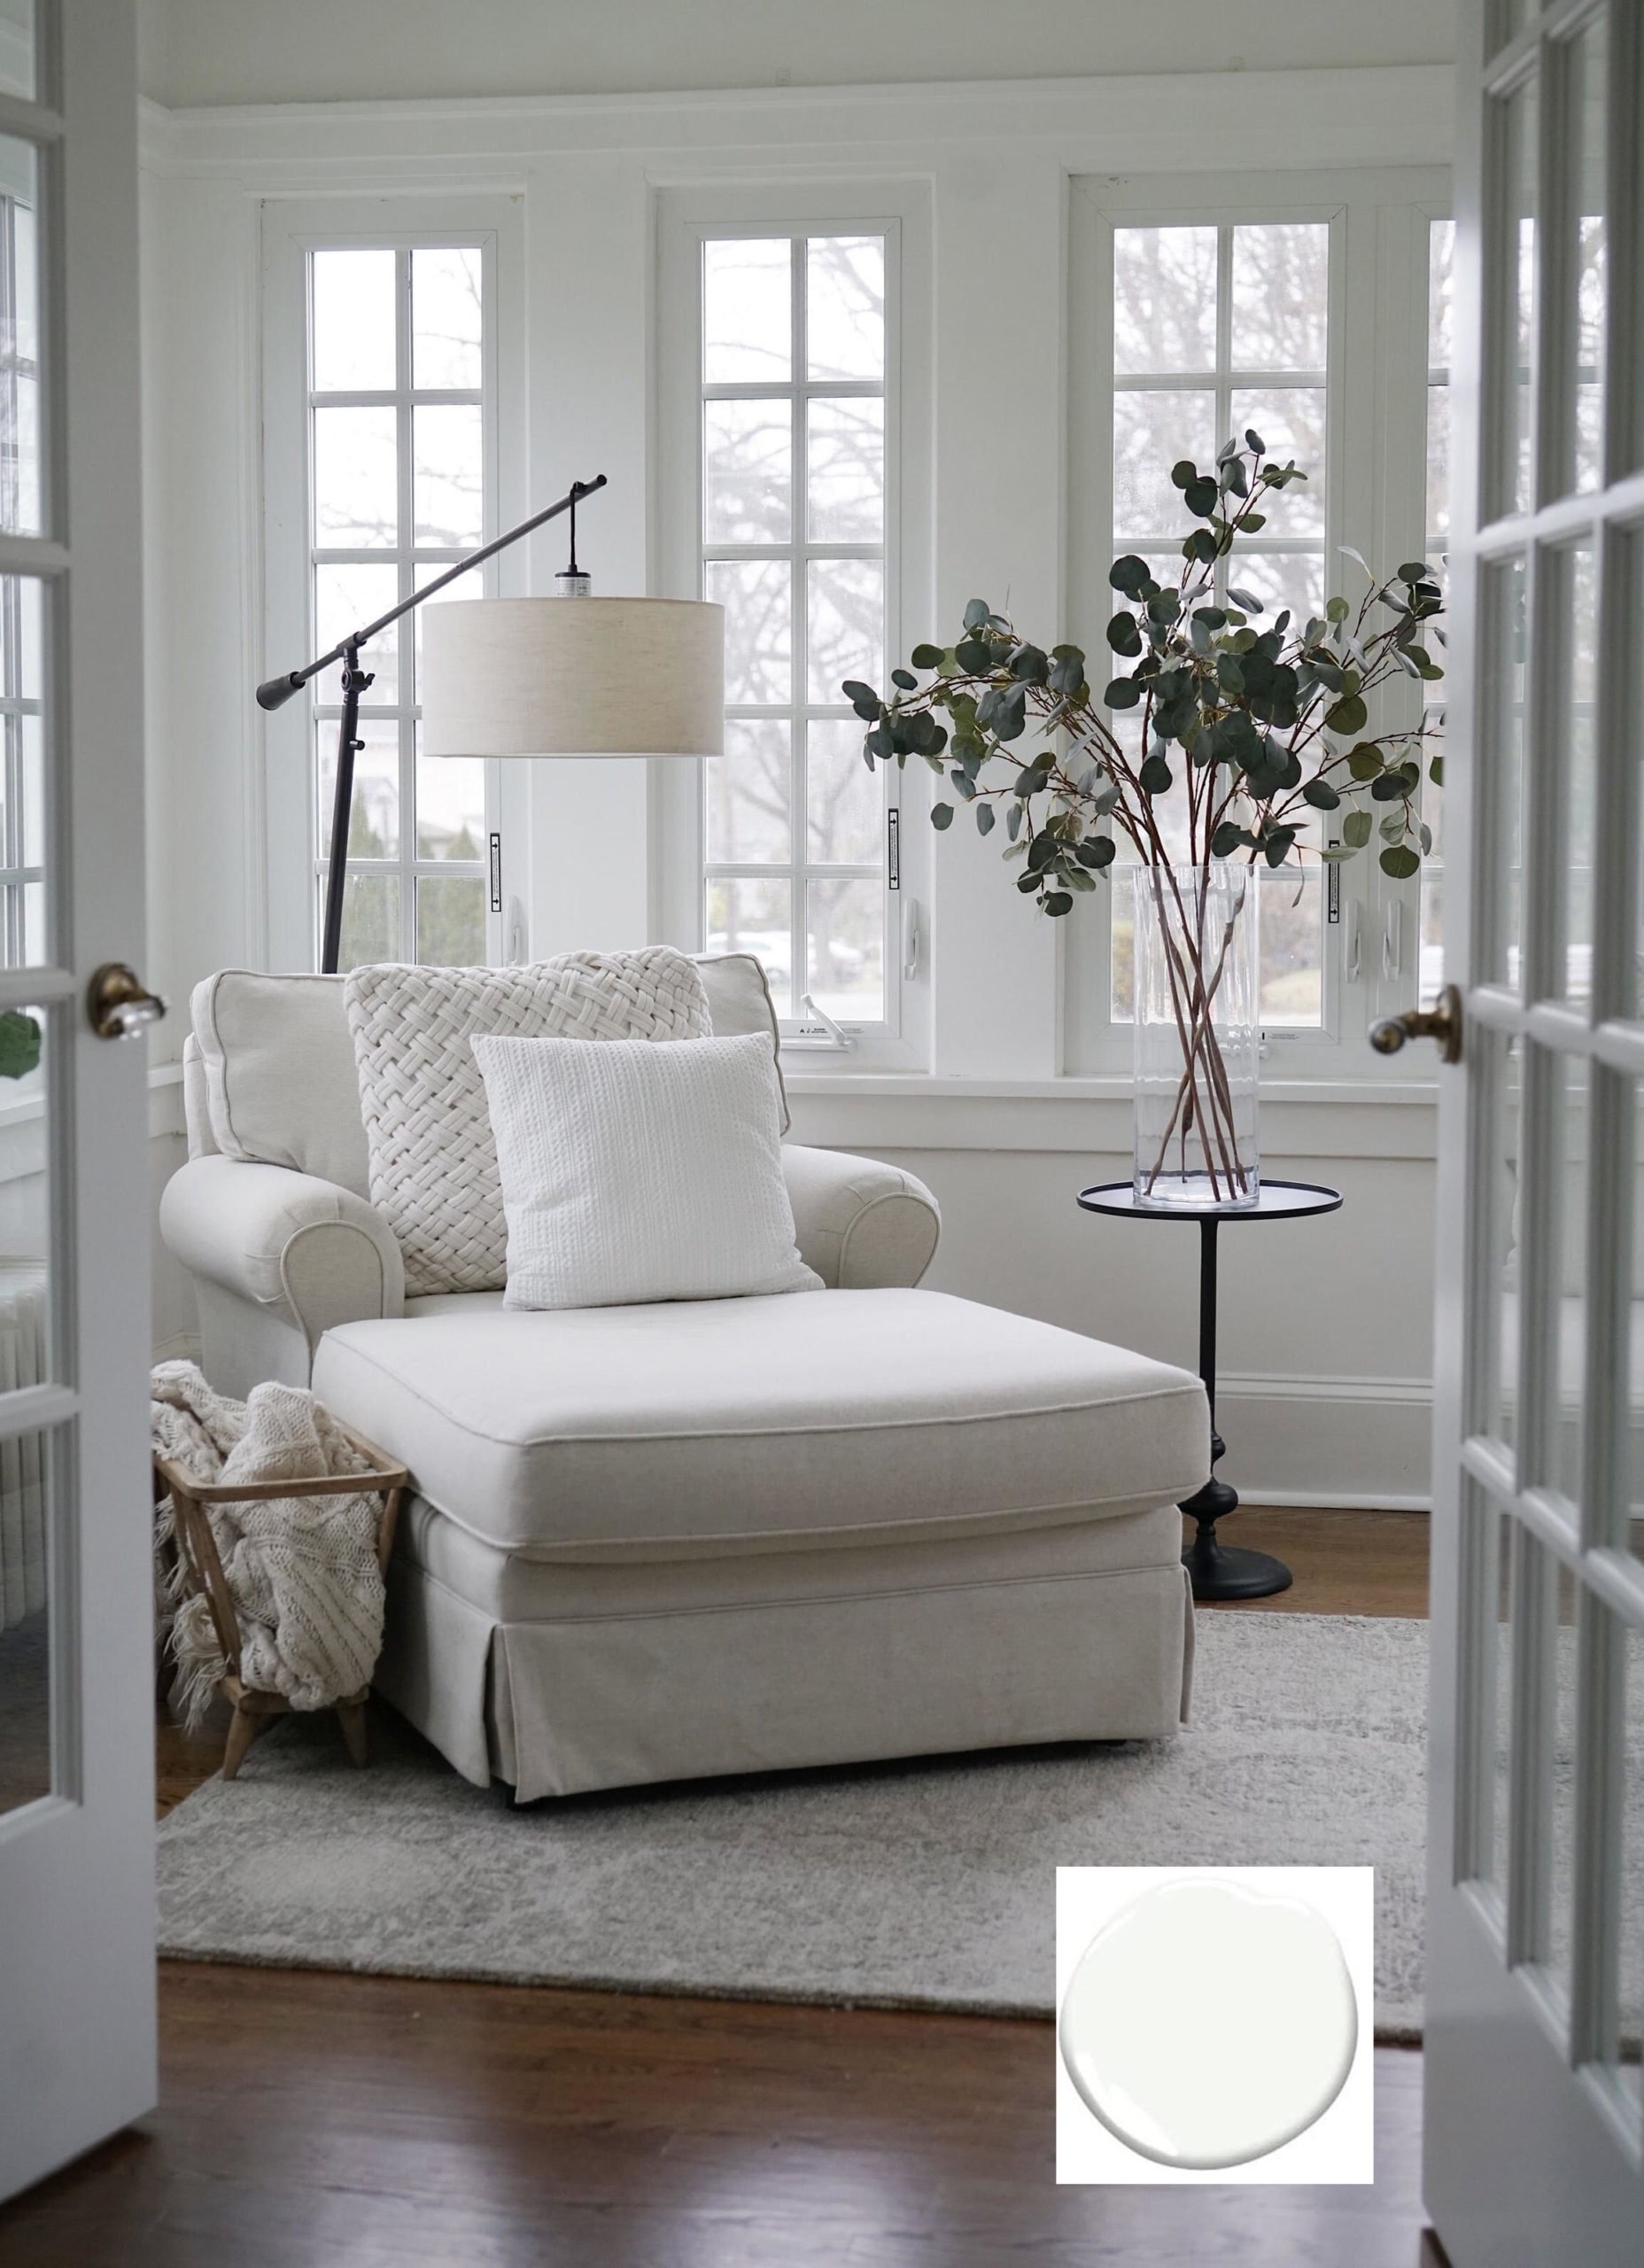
<point>76,1722</point>
<point>1535,2115</point>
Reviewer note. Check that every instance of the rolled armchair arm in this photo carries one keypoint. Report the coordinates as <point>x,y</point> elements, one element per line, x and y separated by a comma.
<point>861,1224</point>
<point>317,1253</point>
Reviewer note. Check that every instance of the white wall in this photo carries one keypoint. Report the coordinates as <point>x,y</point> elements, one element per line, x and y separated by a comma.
<point>1326,1327</point>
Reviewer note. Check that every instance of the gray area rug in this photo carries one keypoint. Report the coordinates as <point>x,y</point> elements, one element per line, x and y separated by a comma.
<point>927,1884</point>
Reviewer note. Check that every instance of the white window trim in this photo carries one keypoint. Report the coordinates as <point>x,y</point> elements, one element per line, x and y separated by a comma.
<point>290,231</point>
<point>1376,426</point>
<point>685,218</point>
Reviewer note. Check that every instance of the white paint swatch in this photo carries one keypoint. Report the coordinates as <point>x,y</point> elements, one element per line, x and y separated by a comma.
<point>1207,2022</point>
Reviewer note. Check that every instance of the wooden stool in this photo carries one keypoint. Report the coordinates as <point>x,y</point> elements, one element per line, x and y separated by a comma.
<point>254,1711</point>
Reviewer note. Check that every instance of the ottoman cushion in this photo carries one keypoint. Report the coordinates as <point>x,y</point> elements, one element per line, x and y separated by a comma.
<point>765,1424</point>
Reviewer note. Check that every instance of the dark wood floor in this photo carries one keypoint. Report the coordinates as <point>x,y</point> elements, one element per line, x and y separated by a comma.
<point>311,2121</point>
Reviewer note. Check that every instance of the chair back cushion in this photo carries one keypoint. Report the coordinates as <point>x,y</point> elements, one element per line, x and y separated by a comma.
<point>433,1157</point>
<point>276,1065</point>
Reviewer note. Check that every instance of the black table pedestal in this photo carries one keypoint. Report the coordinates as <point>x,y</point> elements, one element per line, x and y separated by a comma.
<point>1218,1570</point>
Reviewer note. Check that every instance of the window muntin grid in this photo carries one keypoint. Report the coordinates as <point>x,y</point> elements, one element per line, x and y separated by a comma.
<point>1218,326</point>
<point>796,500</point>
<point>401,484</point>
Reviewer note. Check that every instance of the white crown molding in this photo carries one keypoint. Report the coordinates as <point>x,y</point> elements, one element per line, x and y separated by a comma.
<point>1383,115</point>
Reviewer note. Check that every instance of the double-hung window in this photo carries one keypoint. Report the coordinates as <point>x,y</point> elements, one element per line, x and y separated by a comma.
<point>784,500</point>
<point>381,416</point>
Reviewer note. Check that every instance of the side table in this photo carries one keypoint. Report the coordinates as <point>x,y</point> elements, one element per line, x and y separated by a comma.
<point>1218,1570</point>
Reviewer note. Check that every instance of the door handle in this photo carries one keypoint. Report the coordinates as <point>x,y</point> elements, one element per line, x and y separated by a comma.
<point>119,1003</point>
<point>1442,1021</point>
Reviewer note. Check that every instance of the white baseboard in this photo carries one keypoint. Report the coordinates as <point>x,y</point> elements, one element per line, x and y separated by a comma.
<point>1353,1444</point>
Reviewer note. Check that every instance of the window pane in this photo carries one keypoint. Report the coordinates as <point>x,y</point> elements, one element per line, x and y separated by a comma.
<point>845,948</point>
<point>747,471</point>
<point>1438,463</point>
<point>845,306</point>
<point>747,792</point>
<point>445,317</point>
<point>1281,295</point>
<point>374,818</point>
<point>756,917</point>
<point>17,49</point>
<point>450,807</point>
<point>1586,91</point>
<point>844,801</point>
<point>346,595</point>
<point>19,343</point>
<point>451,921</point>
<point>370,919</point>
<point>355,478</point>
<point>1292,947</point>
<point>1280,579</point>
<point>26,1599</point>
<point>844,624</point>
<point>1440,294</point>
<point>448,481</point>
<point>1164,300</point>
<point>845,468</point>
<point>1519,166</point>
<point>757,595</point>
<point>1291,421</point>
<point>748,330</point>
<point>1151,432</point>
<point>353,322</point>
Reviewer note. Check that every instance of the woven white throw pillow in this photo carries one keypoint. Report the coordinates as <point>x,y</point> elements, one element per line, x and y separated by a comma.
<point>632,1173</point>
<point>433,1163</point>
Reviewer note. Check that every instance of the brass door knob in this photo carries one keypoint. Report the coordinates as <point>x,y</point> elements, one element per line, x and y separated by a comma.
<point>1442,1021</point>
<point>119,1003</point>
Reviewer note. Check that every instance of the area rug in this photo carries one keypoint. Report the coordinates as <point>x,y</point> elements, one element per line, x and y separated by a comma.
<point>925,1884</point>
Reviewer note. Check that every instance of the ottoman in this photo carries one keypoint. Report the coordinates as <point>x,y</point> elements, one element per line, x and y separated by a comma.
<point>652,1542</point>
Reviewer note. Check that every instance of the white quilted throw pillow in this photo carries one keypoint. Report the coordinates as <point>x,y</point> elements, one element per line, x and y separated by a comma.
<point>633,1173</point>
<point>433,1163</point>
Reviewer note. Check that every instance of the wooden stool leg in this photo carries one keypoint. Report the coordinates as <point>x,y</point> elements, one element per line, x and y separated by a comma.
<point>242,1731</point>
<point>351,1717</point>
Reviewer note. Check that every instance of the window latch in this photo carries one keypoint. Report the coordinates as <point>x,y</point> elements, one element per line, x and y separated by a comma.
<point>1351,956</point>
<point>912,939</point>
<point>821,1033</point>
<point>1393,939</point>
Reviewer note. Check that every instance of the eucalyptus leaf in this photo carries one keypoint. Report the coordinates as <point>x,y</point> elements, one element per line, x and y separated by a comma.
<point>1399,861</point>
<point>20,1045</point>
<point>941,817</point>
<point>1355,830</point>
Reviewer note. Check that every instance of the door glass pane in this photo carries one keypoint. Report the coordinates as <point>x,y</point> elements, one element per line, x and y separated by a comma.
<point>844,801</point>
<point>1500,1671</point>
<point>845,470</point>
<point>447,474</point>
<point>22,771</point>
<point>747,792</point>
<point>757,595</point>
<point>1566,1197</point>
<point>1565,1654</point>
<point>1492,1390</point>
<point>446,318</point>
<point>1519,114</point>
<point>1586,93</point>
<point>748,328</point>
<point>748,470</point>
<point>1290,422</point>
<point>1578,598</point>
<point>348,593</point>
<point>370,919</point>
<point>756,917</point>
<point>450,806</point>
<point>17,49</point>
<point>1630,1965</point>
<point>845,306</point>
<point>844,624</point>
<point>845,947</point>
<point>354,333</point>
<point>1164,300</point>
<point>20,502</point>
<point>25,1576</point>
<point>355,478</point>
<point>1151,432</point>
<point>1500,776</point>
<point>1281,295</point>
<point>373,814</point>
<point>451,921</point>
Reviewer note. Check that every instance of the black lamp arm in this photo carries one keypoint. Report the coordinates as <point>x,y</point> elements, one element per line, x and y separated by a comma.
<point>276,691</point>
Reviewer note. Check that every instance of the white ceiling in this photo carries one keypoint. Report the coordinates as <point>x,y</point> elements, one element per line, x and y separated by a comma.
<point>197,52</point>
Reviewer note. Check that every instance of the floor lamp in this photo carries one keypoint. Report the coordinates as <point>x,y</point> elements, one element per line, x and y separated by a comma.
<point>571,675</point>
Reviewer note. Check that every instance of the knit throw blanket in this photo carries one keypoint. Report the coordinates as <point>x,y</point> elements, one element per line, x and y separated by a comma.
<point>302,1570</point>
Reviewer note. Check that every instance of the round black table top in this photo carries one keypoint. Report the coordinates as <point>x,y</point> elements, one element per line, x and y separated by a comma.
<point>1276,1201</point>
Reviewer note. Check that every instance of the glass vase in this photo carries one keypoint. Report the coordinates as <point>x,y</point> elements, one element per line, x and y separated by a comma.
<point>1198,1037</point>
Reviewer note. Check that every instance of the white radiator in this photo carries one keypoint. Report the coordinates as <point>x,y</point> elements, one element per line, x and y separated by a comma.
<point>24,1360</point>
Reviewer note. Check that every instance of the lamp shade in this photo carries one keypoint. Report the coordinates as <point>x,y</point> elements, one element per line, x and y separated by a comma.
<point>573,677</point>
